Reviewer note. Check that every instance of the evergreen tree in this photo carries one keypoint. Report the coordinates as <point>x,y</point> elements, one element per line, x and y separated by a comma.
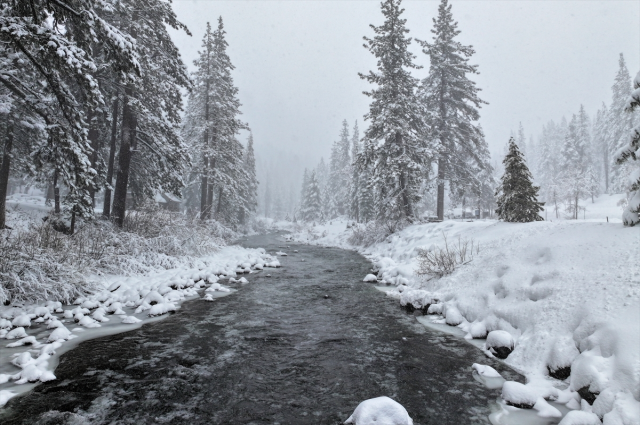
<point>600,143</point>
<point>312,203</point>
<point>394,143</point>
<point>340,174</point>
<point>354,189</point>
<point>250,194</point>
<point>517,196</point>
<point>452,101</point>
<point>152,155</point>
<point>619,125</point>
<point>48,82</point>
<point>211,127</point>
<point>631,214</point>
<point>521,141</point>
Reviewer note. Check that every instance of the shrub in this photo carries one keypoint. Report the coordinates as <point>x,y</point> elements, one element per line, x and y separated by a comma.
<point>374,232</point>
<point>438,262</point>
<point>38,262</point>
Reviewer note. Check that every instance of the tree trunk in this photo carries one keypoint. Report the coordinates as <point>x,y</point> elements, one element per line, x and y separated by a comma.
<point>219,202</point>
<point>209,207</point>
<point>204,189</point>
<point>56,193</point>
<point>72,226</point>
<point>406,202</point>
<point>106,207</point>
<point>94,139</point>
<point>129,124</point>
<point>606,169</point>
<point>4,175</point>
<point>440,202</point>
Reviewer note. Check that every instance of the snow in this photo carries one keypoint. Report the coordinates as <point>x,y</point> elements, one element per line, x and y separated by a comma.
<point>498,339</point>
<point>370,278</point>
<point>516,393</point>
<point>380,411</point>
<point>486,371</point>
<point>578,417</point>
<point>130,300</point>
<point>567,292</point>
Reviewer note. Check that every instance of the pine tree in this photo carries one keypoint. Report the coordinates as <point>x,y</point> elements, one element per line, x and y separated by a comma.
<point>619,125</point>
<point>517,196</point>
<point>600,143</point>
<point>250,194</point>
<point>48,82</point>
<point>354,189</point>
<point>453,102</point>
<point>312,203</point>
<point>340,174</point>
<point>631,214</point>
<point>394,143</point>
<point>211,129</point>
<point>152,154</point>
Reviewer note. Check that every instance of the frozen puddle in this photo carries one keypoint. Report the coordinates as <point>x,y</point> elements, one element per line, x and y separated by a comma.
<point>504,414</point>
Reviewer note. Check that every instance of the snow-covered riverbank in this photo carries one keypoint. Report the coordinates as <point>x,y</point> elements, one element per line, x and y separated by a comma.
<point>568,292</point>
<point>35,335</point>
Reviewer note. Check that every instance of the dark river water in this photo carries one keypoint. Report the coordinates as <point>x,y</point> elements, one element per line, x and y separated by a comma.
<point>276,352</point>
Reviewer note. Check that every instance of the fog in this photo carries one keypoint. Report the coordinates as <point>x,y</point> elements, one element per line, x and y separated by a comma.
<point>297,64</point>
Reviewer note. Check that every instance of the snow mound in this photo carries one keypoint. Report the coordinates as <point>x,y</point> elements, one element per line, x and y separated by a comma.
<point>453,316</point>
<point>380,411</point>
<point>579,417</point>
<point>499,343</point>
<point>486,371</point>
<point>519,395</point>
<point>130,320</point>
<point>370,278</point>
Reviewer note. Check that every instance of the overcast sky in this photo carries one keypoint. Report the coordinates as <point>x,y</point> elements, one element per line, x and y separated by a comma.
<point>297,61</point>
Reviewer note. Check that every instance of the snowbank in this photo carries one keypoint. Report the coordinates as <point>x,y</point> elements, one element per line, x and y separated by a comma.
<point>36,335</point>
<point>567,292</point>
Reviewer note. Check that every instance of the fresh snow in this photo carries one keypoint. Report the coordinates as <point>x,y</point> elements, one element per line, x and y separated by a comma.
<point>49,329</point>
<point>566,291</point>
<point>380,411</point>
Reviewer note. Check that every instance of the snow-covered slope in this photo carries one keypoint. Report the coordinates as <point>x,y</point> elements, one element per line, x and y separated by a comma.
<point>567,291</point>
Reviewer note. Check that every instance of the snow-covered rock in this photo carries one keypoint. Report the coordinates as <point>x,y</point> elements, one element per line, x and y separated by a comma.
<point>380,411</point>
<point>60,333</point>
<point>519,395</point>
<point>370,278</point>
<point>129,320</point>
<point>16,333</point>
<point>24,320</point>
<point>579,417</point>
<point>500,344</point>
<point>453,316</point>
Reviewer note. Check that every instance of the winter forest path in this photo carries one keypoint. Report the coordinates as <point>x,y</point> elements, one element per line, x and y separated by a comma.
<point>277,351</point>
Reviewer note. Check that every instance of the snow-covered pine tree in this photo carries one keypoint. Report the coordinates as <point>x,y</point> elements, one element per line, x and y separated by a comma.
<point>48,75</point>
<point>517,197</point>
<point>619,126</point>
<point>152,154</point>
<point>631,214</point>
<point>453,102</point>
<point>211,127</point>
<point>312,203</point>
<point>549,164</point>
<point>394,143</point>
<point>354,189</point>
<point>575,162</point>
<point>250,194</point>
<point>600,144</point>
<point>340,174</point>
<point>521,141</point>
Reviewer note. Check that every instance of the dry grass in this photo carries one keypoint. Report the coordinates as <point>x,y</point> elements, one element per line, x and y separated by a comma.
<point>441,261</point>
<point>39,263</point>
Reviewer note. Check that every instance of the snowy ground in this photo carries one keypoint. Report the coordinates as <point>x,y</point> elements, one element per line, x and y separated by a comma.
<point>567,292</point>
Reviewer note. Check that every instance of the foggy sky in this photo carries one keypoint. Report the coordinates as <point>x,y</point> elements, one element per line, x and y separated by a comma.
<point>297,61</point>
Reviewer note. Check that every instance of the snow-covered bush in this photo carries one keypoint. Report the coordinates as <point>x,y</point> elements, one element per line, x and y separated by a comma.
<point>438,262</point>
<point>38,262</point>
<point>374,231</point>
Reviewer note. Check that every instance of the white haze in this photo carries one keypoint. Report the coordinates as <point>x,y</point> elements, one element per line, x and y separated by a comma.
<point>297,64</point>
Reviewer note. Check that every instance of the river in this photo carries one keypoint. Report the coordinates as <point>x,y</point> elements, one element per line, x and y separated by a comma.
<point>301,344</point>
